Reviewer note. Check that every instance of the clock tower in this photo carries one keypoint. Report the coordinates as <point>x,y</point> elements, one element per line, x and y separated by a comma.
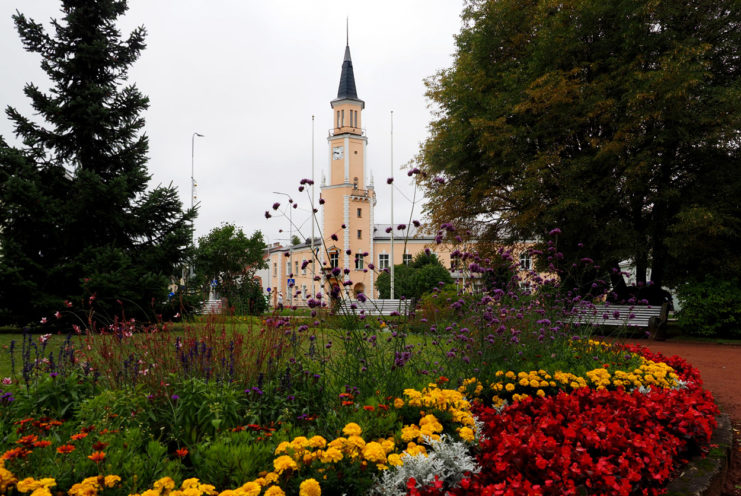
<point>349,201</point>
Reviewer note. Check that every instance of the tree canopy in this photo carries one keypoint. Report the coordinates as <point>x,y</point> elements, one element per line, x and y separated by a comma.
<point>78,217</point>
<point>617,122</point>
<point>423,274</point>
<point>228,256</point>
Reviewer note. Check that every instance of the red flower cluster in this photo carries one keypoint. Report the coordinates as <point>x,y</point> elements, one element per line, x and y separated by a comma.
<point>591,442</point>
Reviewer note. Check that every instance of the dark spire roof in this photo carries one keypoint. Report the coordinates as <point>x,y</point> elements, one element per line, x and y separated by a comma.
<point>347,79</point>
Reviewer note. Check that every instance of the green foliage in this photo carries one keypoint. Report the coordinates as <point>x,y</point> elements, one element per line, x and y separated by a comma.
<point>83,222</point>
<point>228,256</point>
<point>599,118</point>
<point>711,308</point>
<point>54,396</point>
<point>231,459</point>
<point>413,280</point>
<point>199,409</point>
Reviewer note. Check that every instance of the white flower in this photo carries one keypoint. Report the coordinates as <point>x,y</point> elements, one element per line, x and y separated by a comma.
<point>447,459</point>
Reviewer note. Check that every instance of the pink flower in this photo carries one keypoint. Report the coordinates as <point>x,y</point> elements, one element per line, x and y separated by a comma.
<point>7,380</point>
<point>43,320</point>
<point>58,315</point>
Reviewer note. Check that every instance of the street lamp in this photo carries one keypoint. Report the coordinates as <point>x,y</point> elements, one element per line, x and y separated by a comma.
<point>290,242</point>
<point>192,191</point>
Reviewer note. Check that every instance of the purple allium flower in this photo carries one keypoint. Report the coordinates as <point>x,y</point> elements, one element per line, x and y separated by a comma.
<point>321,201</point>
<point>348,251</point>
<point>276,206</point>
<point>416,223</point>
<point>389,180</point>
<point>267,214</point>
<point>175,397</point>
<point>553,232</point>
<point>334,237</point>
<point>389,229</point>
<point>401,227</point>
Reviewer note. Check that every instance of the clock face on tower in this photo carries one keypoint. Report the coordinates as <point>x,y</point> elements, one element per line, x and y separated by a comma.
<point>337,152</point>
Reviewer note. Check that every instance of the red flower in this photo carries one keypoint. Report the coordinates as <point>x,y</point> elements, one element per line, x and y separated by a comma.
<point>182,452</point>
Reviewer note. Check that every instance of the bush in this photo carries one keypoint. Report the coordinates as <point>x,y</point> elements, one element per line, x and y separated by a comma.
<point>711,308</point>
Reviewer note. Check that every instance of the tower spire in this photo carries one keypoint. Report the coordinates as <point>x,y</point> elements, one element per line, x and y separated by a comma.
<point>347,31</point>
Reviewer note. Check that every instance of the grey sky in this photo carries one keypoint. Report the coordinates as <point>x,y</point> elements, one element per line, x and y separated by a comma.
<point>249,75</point>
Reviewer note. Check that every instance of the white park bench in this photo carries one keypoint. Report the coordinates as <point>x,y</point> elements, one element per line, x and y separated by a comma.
<point>651,317</point>
<point>374,307</point>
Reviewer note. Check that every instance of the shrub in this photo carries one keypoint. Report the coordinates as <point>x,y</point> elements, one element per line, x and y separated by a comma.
<point>711,308</point>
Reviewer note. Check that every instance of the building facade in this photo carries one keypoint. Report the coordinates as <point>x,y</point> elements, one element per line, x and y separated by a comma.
<point>352,247</point>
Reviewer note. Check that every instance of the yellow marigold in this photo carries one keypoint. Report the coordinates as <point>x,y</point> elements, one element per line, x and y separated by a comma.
<point>228,492</point>
<point>317,442</point>
<point>499,373</point>
<point>410,433</point>
<point>398,403</point>
<point>374,452</point>
<point>188,483</point>
<point>395,460</point>
<point>82,489</point>
<point>466,433</point>
<point>415,449</point>
<point>31,484</point>
<point>270,478</point>
<point>331,455</point>
<point>42,491</point>
<point>356,442</point>
<point>7,479</point>
<point>540,393</point>
<point>299,443</point>
<point>275,491</point>
<point>388,445</point>
<point>112,480</point>
<point>309,487</point>
<point>338,443</point>
<point>509,387</point>
<point>151,492</point>
<point>165,483</point>
<point>510,375</point>
<point>250,489</point>
<point>352,429</point>
<point>282,447</point>
<point>208,489</point>
<point>283,463</point>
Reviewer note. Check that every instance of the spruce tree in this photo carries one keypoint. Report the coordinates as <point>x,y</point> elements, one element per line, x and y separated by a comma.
<point>79,219</point>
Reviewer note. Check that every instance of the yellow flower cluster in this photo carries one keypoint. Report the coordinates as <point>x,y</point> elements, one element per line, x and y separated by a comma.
<point>193,487</point>
<point>91,485</point>
<point>7,478</point>
<point>36,487</point>
<point>537,382</point>
<point>303,452</point>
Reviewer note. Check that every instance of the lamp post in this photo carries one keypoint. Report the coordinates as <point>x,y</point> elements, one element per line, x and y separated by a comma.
<point>193,191</point>
<point>290,243</point>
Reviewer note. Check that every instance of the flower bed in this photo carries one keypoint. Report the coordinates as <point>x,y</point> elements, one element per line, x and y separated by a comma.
<point>603,432</point>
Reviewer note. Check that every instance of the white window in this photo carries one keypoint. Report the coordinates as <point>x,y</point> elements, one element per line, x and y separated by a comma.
<point>338,118</point>
<point>526,262</point>
<point>343,119</point>
<point>383,261</point>
<point>358,261</point>
<point>296,271</point>
<point>303,291</point>
<point>275,269</point>
<point>334,259</point>
<point>303,269</point>
<point>406,259</point>
<point>288,268</point>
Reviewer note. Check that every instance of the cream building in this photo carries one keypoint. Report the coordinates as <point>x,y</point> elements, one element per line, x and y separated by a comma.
<point>352,245</point>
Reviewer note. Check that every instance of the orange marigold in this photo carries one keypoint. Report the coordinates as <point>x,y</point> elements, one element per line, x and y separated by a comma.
<point>66,448</point>
<point>77,437</point>
<point>97,456</point>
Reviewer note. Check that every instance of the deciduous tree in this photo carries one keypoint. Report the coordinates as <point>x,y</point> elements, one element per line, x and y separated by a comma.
<point>617,122</point>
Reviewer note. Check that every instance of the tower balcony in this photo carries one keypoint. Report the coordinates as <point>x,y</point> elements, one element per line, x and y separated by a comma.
<point>346,130</point>
<point>360,194</point>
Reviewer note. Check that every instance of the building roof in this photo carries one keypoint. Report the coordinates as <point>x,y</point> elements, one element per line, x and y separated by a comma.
<point>347,79</point>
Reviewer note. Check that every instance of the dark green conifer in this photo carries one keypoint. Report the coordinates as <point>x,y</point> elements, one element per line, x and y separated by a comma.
<point>79,219</point>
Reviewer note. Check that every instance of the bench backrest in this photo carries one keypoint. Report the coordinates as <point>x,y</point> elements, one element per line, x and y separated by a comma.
<point>618,315</point>
<point>374,307</point>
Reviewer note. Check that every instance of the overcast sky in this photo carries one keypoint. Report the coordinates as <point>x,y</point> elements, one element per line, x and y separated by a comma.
<point>249,75</point>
